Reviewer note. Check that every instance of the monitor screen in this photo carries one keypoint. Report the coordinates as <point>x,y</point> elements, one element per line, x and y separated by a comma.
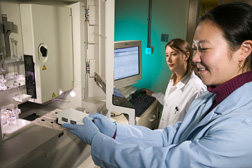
<point>127,63</point>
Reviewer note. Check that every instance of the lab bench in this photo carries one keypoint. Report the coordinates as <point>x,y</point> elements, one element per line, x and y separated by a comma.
<point>43,143</point>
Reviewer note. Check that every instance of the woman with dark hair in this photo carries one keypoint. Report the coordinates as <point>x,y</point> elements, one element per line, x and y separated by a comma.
<point>217,129</point>
<point>184,85</point>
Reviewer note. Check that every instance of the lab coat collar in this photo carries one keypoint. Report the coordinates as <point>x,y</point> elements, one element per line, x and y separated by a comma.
<point>180,85</point>
<point>236,99</point>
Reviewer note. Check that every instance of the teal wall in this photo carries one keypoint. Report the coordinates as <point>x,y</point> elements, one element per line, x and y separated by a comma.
<point>131,23</point>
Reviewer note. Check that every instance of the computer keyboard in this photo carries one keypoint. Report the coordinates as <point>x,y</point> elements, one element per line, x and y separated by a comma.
<point>141,102</point>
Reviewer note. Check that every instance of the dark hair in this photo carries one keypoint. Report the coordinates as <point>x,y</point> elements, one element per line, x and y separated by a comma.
<point>235,21</point>
<point>183,47</point>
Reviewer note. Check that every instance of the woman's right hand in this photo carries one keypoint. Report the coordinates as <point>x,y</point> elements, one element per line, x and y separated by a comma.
<point>148,92</point>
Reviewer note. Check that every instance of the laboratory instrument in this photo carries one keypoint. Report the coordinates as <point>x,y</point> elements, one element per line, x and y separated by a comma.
<point>71,116</point>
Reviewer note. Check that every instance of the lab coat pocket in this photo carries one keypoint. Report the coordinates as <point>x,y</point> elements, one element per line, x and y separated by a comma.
<point>179,114</point>
<point>176,114</point>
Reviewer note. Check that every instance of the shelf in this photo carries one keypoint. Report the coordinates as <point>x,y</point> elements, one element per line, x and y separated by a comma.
<point>16,60</point>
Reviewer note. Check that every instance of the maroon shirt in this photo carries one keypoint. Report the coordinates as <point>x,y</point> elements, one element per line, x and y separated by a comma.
<point>225,89</point>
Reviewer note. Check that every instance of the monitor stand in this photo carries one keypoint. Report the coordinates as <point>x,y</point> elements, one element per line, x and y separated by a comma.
<point>127,91</point>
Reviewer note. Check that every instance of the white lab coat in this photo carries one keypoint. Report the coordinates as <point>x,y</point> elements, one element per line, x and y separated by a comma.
<point>178,98</point>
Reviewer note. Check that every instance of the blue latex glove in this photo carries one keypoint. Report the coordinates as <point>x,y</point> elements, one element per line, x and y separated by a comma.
<point>85,132</point>
<point>106,126</point>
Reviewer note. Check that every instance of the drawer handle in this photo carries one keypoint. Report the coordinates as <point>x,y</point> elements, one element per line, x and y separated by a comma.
<point>153,118</point>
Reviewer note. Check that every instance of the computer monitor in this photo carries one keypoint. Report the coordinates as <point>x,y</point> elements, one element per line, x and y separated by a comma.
<point>127,63</point>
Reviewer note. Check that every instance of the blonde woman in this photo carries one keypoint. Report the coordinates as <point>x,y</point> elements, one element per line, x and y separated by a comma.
<point>184,85</point>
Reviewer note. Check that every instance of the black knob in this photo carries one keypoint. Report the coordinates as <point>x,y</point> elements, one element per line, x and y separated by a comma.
<point>43,50</point>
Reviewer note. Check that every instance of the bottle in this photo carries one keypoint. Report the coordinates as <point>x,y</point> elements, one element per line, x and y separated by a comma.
<point>12,119</point>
